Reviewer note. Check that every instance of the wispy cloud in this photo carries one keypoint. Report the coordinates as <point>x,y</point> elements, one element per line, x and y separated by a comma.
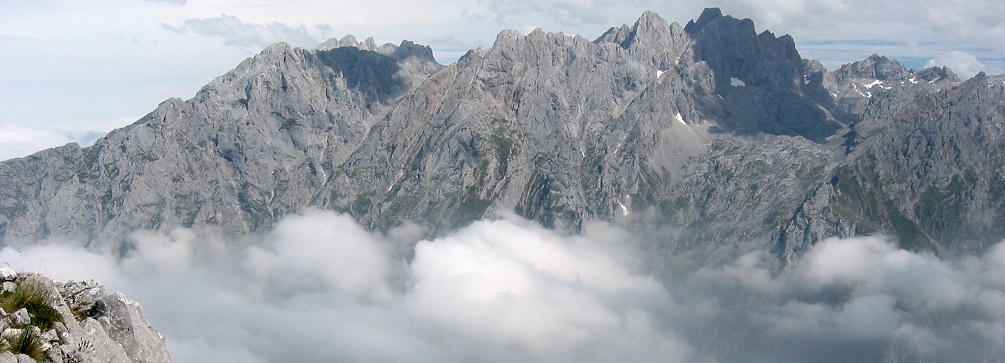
<point>566,12</point>
<point>982,20</point>
<point>786,13</point>
<point>238,33</point>
<point>173,2</point>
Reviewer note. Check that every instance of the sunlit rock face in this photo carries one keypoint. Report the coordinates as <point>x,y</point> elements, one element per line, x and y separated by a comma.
<point>705,137</point>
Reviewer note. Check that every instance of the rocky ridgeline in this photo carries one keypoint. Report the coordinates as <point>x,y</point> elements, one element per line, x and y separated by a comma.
<point>45,321</point>
<point>705,136</point>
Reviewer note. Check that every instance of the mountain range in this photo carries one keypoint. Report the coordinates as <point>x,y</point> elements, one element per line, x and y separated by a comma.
<point>706,137</point>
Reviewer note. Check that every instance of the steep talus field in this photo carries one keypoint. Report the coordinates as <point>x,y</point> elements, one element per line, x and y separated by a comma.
<point>707,137</point>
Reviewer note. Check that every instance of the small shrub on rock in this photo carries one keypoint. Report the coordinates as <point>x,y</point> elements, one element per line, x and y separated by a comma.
<point>34,296</point>
<point>27,342</point>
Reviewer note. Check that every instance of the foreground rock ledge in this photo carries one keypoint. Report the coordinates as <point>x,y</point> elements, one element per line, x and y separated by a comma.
<point>72,322</point>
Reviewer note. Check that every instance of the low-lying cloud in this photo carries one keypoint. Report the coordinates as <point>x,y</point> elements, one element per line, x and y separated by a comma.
<point>320,288</point>
<point>862,299</point>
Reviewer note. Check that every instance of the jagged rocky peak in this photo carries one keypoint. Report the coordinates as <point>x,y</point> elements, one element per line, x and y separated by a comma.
<point>415,60</point>
<point>937,75</point>
<point>707,16</point>
<point>408,47</point>
<point>758,76</point>
<point>875,67</point>
<point>848,91</point>
<point>653,117</point>
<point>814,71</point>
<point>646,30</point>
<point>514,47</point>
<point>46,321</point>
<point>348,41</point>
<point>651,39</point>
<point>733,49</point>
<point>404,50</point>
<point>615,35</point>
<point>362,64</point>
<point>252,145</point>
<point>852,86</point>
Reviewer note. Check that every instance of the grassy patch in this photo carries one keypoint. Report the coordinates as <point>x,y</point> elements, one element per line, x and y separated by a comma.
<point>470,209</point>
<point>861,200</point>
<point>27,342</point>
<point>503,147</point>
<point>35,297</point>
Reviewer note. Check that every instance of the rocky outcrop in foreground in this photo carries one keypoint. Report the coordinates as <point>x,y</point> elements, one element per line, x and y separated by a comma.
<point>46,321</point>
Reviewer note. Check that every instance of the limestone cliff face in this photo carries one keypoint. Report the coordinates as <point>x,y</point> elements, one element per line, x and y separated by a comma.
<point>556,127</point>
<point>926,165</point>
<point>252,145</point>
<point>706,136</point>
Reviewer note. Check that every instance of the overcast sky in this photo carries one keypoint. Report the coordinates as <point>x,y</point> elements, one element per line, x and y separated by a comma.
<point>73,70</point>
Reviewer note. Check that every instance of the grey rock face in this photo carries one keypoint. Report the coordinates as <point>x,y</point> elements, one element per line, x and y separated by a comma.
<point>707,136</point>
<point>252,145</point>
<point>935,156</point>
<point>115,316</point>
<point>92,325</point>
<point>20,317</point>
<point>555,127</point>
<point>761,79</point>
<point>852,86</point>
<point>125,323</point>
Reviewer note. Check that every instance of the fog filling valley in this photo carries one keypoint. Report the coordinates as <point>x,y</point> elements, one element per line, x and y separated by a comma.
<point>320,288</point>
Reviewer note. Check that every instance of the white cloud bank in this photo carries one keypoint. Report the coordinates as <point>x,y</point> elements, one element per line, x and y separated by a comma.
<point>962,63</point>
<point>319,288</point>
